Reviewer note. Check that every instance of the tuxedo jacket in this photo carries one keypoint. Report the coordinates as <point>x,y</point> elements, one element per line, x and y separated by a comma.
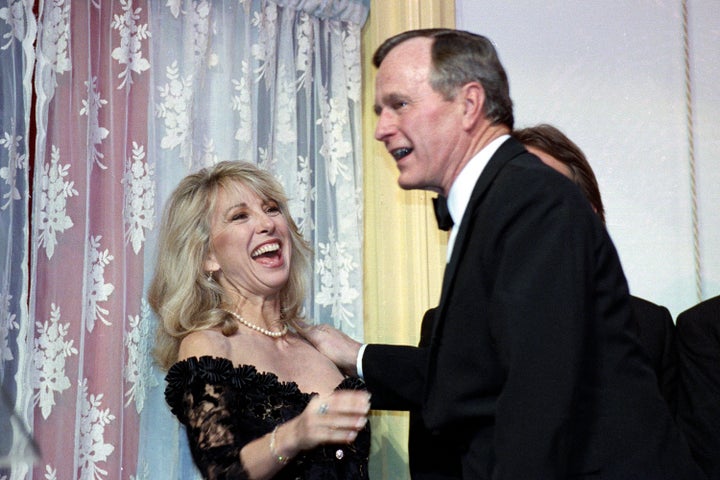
<point>698,334</point>
<point>429,454</point>
<point>533,368</point>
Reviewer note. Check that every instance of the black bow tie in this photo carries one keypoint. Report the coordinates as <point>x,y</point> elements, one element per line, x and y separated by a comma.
<point>442,214</point>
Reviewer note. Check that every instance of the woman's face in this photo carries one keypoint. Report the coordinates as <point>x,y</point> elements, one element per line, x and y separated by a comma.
<point>250,248</point>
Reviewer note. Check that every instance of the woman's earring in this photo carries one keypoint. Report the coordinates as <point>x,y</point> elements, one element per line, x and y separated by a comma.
<point>210,277</point>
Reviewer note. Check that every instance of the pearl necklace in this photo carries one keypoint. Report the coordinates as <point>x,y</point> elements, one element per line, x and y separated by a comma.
<point>258,328</point>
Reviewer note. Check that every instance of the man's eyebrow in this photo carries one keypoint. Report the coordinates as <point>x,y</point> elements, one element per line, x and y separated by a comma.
<point>394,97</point>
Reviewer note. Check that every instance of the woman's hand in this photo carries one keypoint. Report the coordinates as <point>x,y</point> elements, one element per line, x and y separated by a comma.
<point>336,418</point>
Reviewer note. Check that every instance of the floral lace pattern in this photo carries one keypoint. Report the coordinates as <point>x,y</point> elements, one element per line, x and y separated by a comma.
<point>225,407</point>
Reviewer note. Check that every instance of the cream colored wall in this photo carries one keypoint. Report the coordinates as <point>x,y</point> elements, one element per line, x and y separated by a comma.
<point>404,251</point>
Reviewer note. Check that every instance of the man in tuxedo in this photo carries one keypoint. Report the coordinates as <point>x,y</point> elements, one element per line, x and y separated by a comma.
<point>532,369</point>
<point>655,327</point>
<point>698,334</point>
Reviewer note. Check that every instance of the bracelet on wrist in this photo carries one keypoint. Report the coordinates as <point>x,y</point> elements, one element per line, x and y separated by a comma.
<point>281,459</point>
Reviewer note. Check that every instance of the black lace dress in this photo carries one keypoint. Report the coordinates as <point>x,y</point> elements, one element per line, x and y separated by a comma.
<point>225,407</point>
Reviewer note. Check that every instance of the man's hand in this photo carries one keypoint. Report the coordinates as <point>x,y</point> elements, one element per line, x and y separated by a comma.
<point>335,345</point>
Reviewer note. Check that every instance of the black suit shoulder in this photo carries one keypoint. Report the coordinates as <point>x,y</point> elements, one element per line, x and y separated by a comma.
<point>520,181</point>
<point>655,325</point>
<point>656,334</point>
<point>698,334</point>
<point>705,313</point>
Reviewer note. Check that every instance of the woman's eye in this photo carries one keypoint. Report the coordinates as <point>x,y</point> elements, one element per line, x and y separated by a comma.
<point>272,210</point>
<point>238,216</point>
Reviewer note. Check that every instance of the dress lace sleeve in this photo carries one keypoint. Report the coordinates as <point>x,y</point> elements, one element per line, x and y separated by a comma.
<point>197,393</point>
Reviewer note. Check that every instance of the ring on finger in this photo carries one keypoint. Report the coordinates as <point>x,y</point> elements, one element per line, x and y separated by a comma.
<point>323,409</point>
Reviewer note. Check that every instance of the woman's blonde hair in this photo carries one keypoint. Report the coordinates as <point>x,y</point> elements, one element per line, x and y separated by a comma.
<point>185,297</point>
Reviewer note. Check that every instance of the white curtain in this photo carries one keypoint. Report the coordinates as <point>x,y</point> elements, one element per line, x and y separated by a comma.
<point>17,35</point>
<point>131,95</point>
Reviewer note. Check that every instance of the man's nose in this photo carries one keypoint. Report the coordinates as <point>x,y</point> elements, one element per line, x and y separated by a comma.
<point>385,126</point>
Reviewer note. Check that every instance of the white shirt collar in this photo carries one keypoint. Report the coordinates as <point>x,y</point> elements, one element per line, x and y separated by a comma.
<point>463,186</point>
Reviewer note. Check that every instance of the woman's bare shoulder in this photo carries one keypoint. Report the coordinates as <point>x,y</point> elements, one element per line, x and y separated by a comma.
<point>204,342</point>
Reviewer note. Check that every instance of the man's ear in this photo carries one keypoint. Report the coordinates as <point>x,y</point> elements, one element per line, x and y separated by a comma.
<point>473,96</point>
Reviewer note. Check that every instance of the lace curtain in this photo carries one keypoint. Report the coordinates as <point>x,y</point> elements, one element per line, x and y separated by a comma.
<point>130,97</point>
<point>17,35</point>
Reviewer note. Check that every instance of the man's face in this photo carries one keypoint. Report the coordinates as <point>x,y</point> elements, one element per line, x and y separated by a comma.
<point>419,127</point>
